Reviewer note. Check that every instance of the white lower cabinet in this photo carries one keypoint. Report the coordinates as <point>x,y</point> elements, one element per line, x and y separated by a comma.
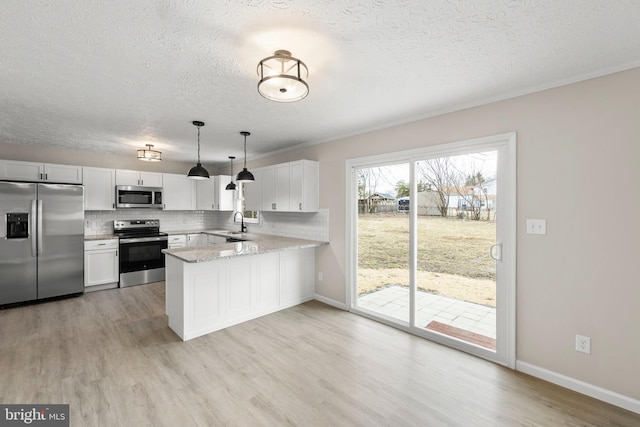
<point>177,241</point>
<point>214,240</point>
<point>208,296</point>
<point>101,269</point>
<point>197,239</point>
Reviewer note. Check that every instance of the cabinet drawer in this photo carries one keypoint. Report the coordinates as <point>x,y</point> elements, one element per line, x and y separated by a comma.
<point>100,244</point>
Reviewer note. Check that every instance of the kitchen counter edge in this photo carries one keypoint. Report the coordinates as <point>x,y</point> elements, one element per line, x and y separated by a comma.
<point>256,245</point>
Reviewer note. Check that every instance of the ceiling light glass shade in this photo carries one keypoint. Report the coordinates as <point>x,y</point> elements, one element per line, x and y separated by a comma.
<point>198,172</point>
<point>282,77</point>
<point>149,154</point>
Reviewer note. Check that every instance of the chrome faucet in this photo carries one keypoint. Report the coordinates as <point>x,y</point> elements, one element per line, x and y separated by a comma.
<point>243,228</point>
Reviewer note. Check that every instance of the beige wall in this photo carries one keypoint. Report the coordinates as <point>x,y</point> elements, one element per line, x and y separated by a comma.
<point>578,155</point>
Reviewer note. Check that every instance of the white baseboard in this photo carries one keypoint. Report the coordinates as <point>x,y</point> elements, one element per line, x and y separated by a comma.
<point>591,390</point>
<point>331,302</point>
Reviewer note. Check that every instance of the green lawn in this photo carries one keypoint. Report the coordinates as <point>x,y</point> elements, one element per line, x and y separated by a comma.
<point>453,255</point>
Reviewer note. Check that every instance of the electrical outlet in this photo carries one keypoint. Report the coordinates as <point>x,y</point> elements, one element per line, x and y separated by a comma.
<point>320,276</point>
<point>583,344</point>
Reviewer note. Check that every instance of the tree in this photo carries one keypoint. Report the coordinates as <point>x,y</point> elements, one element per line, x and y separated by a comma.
<point>438,175</point>
<point>368,179</point>
<point>472,191</point>
<point>402,189</point>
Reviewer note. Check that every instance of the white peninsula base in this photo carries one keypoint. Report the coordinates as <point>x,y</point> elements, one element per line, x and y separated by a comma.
<point>203,297</point>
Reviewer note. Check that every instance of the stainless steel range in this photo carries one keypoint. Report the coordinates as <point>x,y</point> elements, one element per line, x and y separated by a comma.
<point>141,245</point>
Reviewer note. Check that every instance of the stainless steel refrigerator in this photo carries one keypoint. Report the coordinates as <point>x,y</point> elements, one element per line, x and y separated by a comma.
<point>41,241</point>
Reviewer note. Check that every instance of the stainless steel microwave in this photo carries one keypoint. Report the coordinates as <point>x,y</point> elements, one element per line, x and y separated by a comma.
<point>134,197</point>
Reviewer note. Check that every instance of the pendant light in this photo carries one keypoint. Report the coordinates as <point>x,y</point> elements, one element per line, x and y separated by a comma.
<point>245,175</point>
<point>198,172</point>
<point>282,77</point>
<point>231,186</point>
<point>149,154</point>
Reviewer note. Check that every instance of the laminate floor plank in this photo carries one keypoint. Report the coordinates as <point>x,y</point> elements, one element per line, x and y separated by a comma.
<point>111,356</point>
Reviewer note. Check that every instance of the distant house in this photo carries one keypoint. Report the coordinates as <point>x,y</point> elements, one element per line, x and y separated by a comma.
<point>377,203</point>
<point>460,200</point>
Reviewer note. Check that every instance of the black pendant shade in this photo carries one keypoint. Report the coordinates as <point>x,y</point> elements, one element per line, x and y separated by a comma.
<point>231,186</point>
<point>245,175</point>
<point>198,172</point>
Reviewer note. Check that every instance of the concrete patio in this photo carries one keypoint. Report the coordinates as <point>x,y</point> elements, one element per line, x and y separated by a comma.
<point>393,301</point>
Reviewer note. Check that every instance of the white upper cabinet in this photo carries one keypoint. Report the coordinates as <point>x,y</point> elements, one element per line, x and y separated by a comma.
<point>305,186</point>
<point>138,178</point>
<point>268,188</point>
<point>289,187</point>
<point>99,189</point>
<point>179,192</point>
<point>253,192</point>
<point>40,172</point>
<point>212,195</point>
<point>283,186</point>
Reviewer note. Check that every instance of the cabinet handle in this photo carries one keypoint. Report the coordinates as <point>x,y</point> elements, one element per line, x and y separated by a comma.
<point>273,206</point>
<point>46,176</point>
<point>300,206</point>
<point>102,244</point>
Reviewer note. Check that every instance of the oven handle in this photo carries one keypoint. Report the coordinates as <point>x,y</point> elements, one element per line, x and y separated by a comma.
<point>144,239</point>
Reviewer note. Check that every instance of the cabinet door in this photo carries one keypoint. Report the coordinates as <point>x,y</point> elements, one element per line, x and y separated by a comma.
<point>151,179</point>
<point>101,267</point>
<point>223,197</point>
<point>205,191</point>
<point>253,192</point>
<point>297,275</point>
<point>99,189</point>
<point>21,171</point>
<point>66,174</point>
<point>304,190</point>
<point>177,241</point>
<point>283,185</point>
<point>214,240</point>
<point>127,177</point>
<point>268,189</point>
<point>197,240</point>
<point>179,192</point>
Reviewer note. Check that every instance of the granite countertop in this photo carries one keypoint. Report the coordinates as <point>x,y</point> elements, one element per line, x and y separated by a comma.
<point>100,236</point>
<point>254,245</point>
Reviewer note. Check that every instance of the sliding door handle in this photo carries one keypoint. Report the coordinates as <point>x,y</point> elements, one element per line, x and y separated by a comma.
<point>495,252</point>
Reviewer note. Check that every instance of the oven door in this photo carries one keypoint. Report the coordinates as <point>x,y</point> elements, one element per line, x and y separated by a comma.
<point>141,254</point>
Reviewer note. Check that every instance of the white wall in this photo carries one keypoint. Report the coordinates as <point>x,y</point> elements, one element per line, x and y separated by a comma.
<point>576,144</point>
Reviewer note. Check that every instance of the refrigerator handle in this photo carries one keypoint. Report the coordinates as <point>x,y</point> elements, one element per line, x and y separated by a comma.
<point>33,232</point>
<point>40,229</point>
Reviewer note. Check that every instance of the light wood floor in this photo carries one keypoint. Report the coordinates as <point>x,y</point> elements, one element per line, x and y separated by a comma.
<point>111,356</point>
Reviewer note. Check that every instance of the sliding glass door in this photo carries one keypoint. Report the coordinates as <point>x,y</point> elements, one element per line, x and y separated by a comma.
<point>430,242</point>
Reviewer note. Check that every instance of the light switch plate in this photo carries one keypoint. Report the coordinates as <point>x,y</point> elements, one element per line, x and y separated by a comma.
<point>536,226</point>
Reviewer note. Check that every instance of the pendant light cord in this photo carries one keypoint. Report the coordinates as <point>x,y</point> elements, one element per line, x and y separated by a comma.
<point>245,151</point>
<point>198,144</point>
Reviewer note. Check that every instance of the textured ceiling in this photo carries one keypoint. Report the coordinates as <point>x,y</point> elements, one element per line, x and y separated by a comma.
<point>111,76</point>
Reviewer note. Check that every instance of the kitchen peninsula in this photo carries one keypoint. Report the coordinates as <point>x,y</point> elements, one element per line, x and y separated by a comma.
<point>212,287</point>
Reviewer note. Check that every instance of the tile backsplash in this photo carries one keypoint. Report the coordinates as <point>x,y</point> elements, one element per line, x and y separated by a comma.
<point>312,226</point>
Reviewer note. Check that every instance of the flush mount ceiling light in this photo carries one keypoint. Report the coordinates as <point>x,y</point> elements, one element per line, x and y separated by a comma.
<point>231,186</point>
<point>149,154</point>
<point>245,175</point>
<point>282,77</point>
<point>198,172</point>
